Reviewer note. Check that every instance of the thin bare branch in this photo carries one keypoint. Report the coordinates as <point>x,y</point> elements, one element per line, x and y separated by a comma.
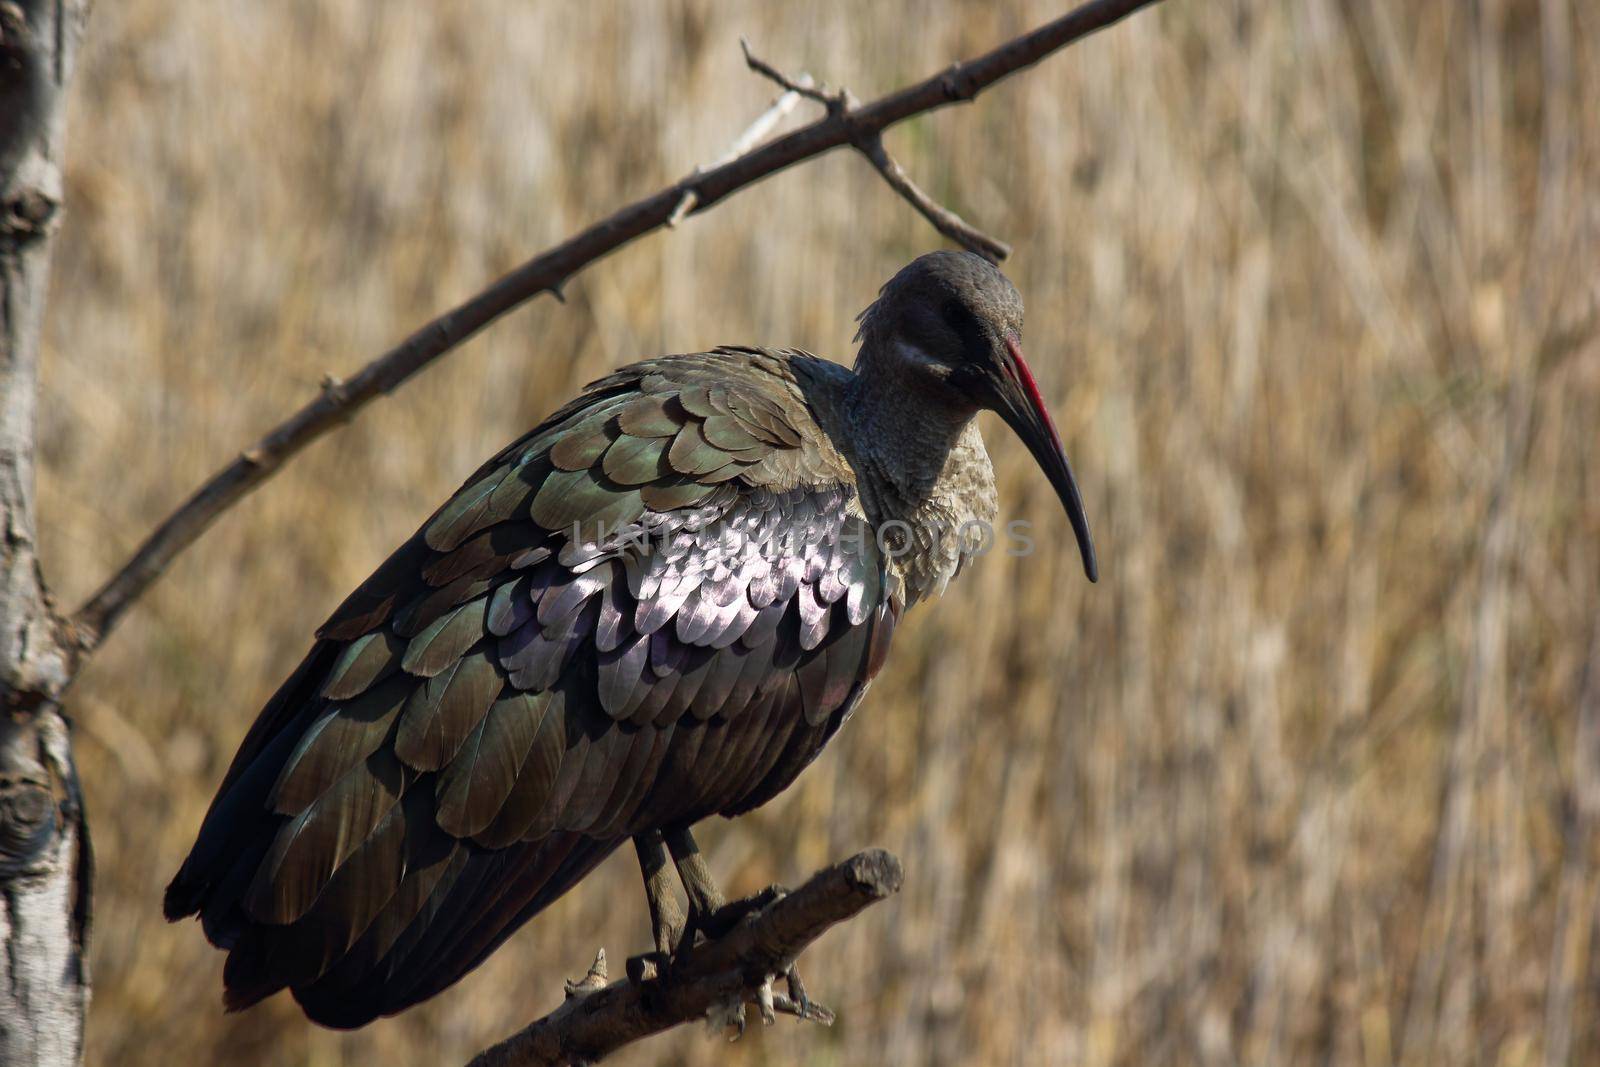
<point>546,272</point>
<point>803,85</point>
<point>842,102</point>
<point>717,980</point>
<point>943,219</point>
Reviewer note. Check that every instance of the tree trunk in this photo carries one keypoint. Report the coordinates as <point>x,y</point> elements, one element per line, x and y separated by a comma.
<point>44,845</point>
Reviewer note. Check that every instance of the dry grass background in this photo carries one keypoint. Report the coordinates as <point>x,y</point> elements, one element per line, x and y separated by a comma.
<point>1313,287</point>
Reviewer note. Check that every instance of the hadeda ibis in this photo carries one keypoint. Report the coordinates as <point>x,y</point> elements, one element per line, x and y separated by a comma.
<point>657,606</point>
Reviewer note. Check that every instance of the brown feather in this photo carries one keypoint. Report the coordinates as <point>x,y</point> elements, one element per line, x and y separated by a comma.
<point>635,460</point>
<point>579,448</point>
<point>343,737</point>
<point>536,780</point>
<point>445,639</point>
<point>673,494</point>
<point>444,710</point>
<point>729,434</point>
<point>477,781</point>
<point>649,416</point>
<point>485,555</point>
<point>309,847</point>
<point>364,662</point>
<point>696,400</point>
<point>427,609</point>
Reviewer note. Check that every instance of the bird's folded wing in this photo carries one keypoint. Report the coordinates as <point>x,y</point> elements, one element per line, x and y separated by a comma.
<point>657,606</point>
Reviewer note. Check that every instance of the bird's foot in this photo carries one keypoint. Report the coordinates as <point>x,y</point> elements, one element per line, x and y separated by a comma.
<point>718,923</point>
<point>724,919</point>
<point>770,1003</point>
<point>802,1007</point>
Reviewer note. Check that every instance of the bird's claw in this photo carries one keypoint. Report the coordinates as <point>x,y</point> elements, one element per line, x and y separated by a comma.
<point>719,923</point>
<point>797,992</point>
<point>764,1002</point>
<point>725,918</point>
<point>798,1004</point>
<point>726,1014</point>
<point>771,1004</point>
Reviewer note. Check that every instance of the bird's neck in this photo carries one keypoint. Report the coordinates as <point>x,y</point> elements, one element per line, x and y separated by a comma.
<point>920,462</point>
<point>904,428</point>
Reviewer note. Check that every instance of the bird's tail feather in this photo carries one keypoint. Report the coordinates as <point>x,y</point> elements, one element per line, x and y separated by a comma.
<point>403,924</point>
<point>466,918</point>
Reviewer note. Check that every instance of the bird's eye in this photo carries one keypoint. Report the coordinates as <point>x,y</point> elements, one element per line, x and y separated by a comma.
<point>956,316</point>
<point>964,324</point>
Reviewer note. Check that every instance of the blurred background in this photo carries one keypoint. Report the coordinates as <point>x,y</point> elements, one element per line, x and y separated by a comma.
<point>1312,775</point>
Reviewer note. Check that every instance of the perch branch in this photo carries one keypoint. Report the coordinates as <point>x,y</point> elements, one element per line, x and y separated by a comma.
<point>546,272</point>
<point>597,1019</point>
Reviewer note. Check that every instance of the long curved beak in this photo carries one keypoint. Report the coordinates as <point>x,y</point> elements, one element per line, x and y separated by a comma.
<point>1023,409</point>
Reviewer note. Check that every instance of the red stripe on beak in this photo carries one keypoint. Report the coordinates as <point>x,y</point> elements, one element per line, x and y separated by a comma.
<point>1022,406</point>
<point>1030,389</point>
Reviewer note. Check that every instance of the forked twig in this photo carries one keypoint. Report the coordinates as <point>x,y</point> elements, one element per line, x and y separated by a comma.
<point>841,103</point>
<point>801,86</point>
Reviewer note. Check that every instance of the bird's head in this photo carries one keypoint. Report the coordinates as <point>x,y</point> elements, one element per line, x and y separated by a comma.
<point>952,322</point>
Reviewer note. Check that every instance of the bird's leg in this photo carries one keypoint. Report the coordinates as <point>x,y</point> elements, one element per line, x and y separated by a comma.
<point>666,915</point>
<point>710,913</point>
<point>705,899</point>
